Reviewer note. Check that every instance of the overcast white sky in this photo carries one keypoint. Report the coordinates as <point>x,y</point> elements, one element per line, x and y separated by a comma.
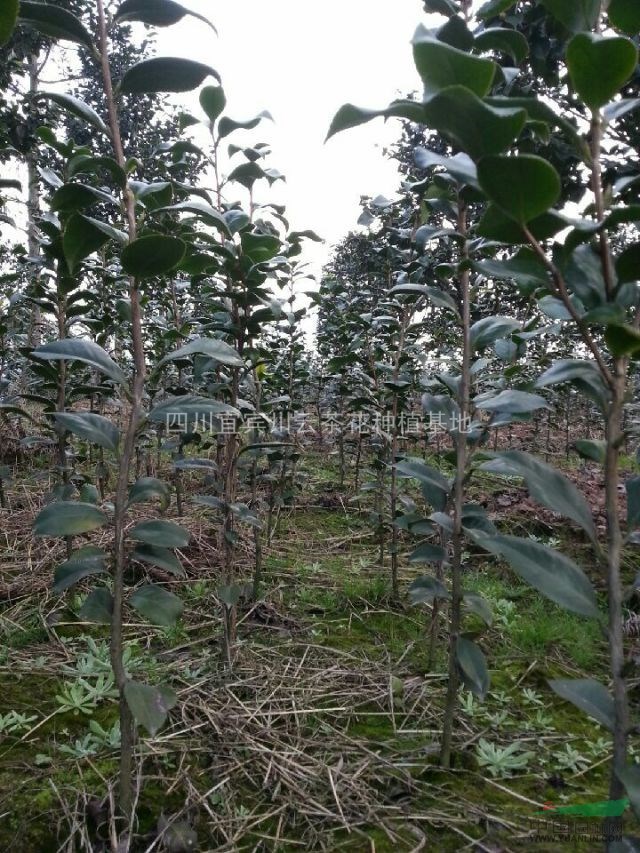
<point>302,61</point>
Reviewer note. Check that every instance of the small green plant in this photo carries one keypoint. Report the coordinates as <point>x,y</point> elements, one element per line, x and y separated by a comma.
<point>13,723</point>
<point>502,761</point>
<point>571,759</point>
<point>96,740</point>
<point>81,697</point>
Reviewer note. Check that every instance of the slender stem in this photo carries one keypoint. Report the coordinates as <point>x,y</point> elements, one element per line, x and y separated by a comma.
<point>455,616</point>
<point>120,503</point>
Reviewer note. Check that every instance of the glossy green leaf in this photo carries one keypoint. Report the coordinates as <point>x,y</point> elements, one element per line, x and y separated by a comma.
<point>76,349</point>
<point>73,196</point>
<point>496,225</point>
<point>477,605</point>
<point>67,518</point>
<point>550,572</point>
<point>633,502</point>
<point>511,401</point>
<point>524,187</point>
<point>77,108</point>
<point>150,706</point>
<point>164,534</point>
<point>55,22</point>
<point>461,167</point>
<point>213,101</point>
<point>259,248</point>
<point>600,66</point>
<point>425,590</point>
<point>227,125</point>
<point>591,449</point>
<point>575,15</point>
<point>524,268</point>
<point>549,487</point>
<point>494,7</point>
<point>630,778</point>
<point>190,410</point>
<point>83,164</point>
<point>148,489</point>
<point>83,563</point>
<point>349,115</point>
<point>488,330</point>
<point>81,239</point>
<point>166,74</point>
<point>156,13</point>
<point>163,558</point>
<point>419,470</point>
<point>211,347</point>
<point>503,40</point>
<point>152,255</point>
<point>440,65</point>
<point>157,604</point>
<point>427,553</point>
<point>442,7</point>
<point>93,428</point>
<point>8,17</point>
<point>623,340</point>
<point>479,129</point>
<point>202,210</point>
<point>590,696</point>
<point>98,607</point>
<point>625,15</point>
<point>473,666</point>
<point>628,264</point>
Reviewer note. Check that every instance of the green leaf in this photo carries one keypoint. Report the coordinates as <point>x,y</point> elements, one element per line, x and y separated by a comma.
<point>600,66</point>
<point>55,22</point>
<point>551,573</point>
<point>630,778</point>
<point>440,65</point>
<point>625,15</point>
<point>427,553</point>
<point>623,340</point>
<point>152,255</point>
<point>590,696</point>
<point>164,534</point>
<point>524,268</point>
<point>82,563</point>
<point>493,8</point>
<point>574,15</point>
<point>81,239</point>
<point>259,248</point>
<point>160,557</point>
<point>211,347</point>
<point>547,486</point>
<point>442,7</point>
<point>157,605</point>
<point>213,101</point>
<point>488,330</point>
<point>473,666</point>
<point>513,402</point>
<point>479,606</point>
<point>150,706</point>
<point>229,595</point>
<point>591,449</point>
<point>503,40</point>
<point>98,607</point>
<point>202,210</point>
<point>228,125</point>
<point>93,428</point>
<point>524,187</point>
<point>633,502</point>
<point>72,197</point>
<point>77,108</point>
<point>426,589</point>
<point>477,128</point>
<point>417,469</point>
<point>628,264</point>
<point>76,349</point>
<point>496,225</point>
<point>349,115</point>
<point>166,74</point>
<point>461,167</point>
<point>83,164</point>
<point>66,518</point>
<point>584,374</point>
<point>8,17</point>
<point>187,410</point>
<point>147,489</point>
<point>156,13</point>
